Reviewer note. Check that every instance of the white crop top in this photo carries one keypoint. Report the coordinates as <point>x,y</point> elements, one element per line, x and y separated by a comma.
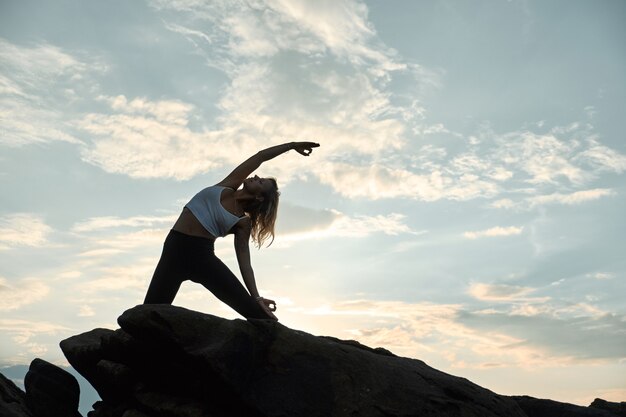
<point>210,213</point>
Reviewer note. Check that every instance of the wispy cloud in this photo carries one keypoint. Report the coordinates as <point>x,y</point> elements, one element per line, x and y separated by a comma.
<point>494,232</point>
<point>134,277</point>
<point>29,115</point>
<point>132,239</point>
<point>576,197</point>
<point>330,52</point>
<point>601,157</point>
<point>601,275</point>
<point>135,137</point>
<point>110,222</point>
<point>464,337</point>
<point>28,328</point>
<point>443,333</point>
<point>498,292</point>
<point>378,181</point>
<point>542,157</point>
<point>345,226</point>
<point>322,73</point>
<point>34,63</point>
<point>567,333</point>
<point>572,198</point>
<point>86,311</point>
<point>23,229</point>
<point>24,333</point>
<point>266,28</point>
<point>14,295</point>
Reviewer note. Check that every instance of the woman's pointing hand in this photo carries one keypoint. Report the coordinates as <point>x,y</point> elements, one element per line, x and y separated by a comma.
<point>304,148</point>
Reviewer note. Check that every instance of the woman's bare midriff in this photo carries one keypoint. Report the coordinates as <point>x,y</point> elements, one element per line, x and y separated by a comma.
<point>188,224</point>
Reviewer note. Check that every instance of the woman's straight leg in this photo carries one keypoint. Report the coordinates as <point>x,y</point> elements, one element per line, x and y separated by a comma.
<point>167,276</point>
<point>163,287</point>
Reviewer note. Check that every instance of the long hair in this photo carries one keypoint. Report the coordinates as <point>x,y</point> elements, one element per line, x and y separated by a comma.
<point>263,216</point>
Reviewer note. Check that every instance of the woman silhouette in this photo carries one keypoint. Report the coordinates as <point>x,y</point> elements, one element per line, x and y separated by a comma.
<point>225,208</point>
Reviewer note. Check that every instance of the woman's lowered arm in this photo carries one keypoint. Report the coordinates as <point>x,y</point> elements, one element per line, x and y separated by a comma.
<point>242,249</point>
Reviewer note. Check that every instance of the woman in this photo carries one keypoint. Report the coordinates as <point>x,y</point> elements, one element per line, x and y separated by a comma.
<point>225,208</point>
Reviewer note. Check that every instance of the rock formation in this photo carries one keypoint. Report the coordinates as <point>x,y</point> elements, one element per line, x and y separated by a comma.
<point>618,409</point>
<point>50,392</point>
<point>12,400</point>
<point>535,407</point>
<point>169,361</point>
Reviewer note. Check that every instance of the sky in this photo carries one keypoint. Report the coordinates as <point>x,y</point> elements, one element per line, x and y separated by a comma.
<point>463,208</point>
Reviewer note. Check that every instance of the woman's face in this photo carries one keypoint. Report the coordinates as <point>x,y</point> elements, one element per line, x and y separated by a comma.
<point>257,186</point>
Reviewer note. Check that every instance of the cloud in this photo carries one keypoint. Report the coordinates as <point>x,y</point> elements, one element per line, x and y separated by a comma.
<point>86,311</point>
<point>296,219</point>
<point>266,28</point>
<point>135,137</point>
<point>16,295</point>
<point>321,73</point>
<point>462,337</point>
<point>576,197</point>
<point>601,275</point>
<point>567,333</point>
<point>565,330</point>
<point>431,332</point>
<point>110,222</point>
<point>505,203</point>
<point>32,64</point>
<point>111,240</point>
<point>360,226</point>
<point>22,332</point>
<point>602,158</point>
<point>544,158</point>
<point>36,78</point>
<point>498,292</point>
<point>378,181</point>
<point>116,247</point>
<point>291,75</point>
<point>110,237</point>
<point>23,229</point>
<point>482,166</point>
<point>70,274</point>
<point>196,37</point>
<point>494,231</point>
<point>341,225</point>
<point>135,277</point>
<point>100,253</point>
<point>130,240</point>
<point>573,198</point>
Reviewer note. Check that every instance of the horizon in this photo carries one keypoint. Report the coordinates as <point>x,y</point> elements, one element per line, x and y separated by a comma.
<point>463,207</point>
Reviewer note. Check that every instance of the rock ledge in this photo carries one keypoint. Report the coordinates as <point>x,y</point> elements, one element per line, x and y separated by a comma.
<point>170,361</point>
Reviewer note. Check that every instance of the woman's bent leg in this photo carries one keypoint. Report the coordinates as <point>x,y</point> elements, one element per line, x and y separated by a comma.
<point>217,278</point>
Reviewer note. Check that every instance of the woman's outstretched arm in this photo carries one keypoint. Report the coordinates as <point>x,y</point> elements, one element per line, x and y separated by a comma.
<point>243,171</point>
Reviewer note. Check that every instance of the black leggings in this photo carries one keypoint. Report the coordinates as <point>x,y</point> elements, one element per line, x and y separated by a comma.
<point>191,257</point>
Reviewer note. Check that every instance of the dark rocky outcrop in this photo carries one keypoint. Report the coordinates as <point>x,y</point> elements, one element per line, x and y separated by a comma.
<point>12,400</point>
<point>536,407</point>
<point>51,391</point>
<point>618,409</point>
<point>169,361</point>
